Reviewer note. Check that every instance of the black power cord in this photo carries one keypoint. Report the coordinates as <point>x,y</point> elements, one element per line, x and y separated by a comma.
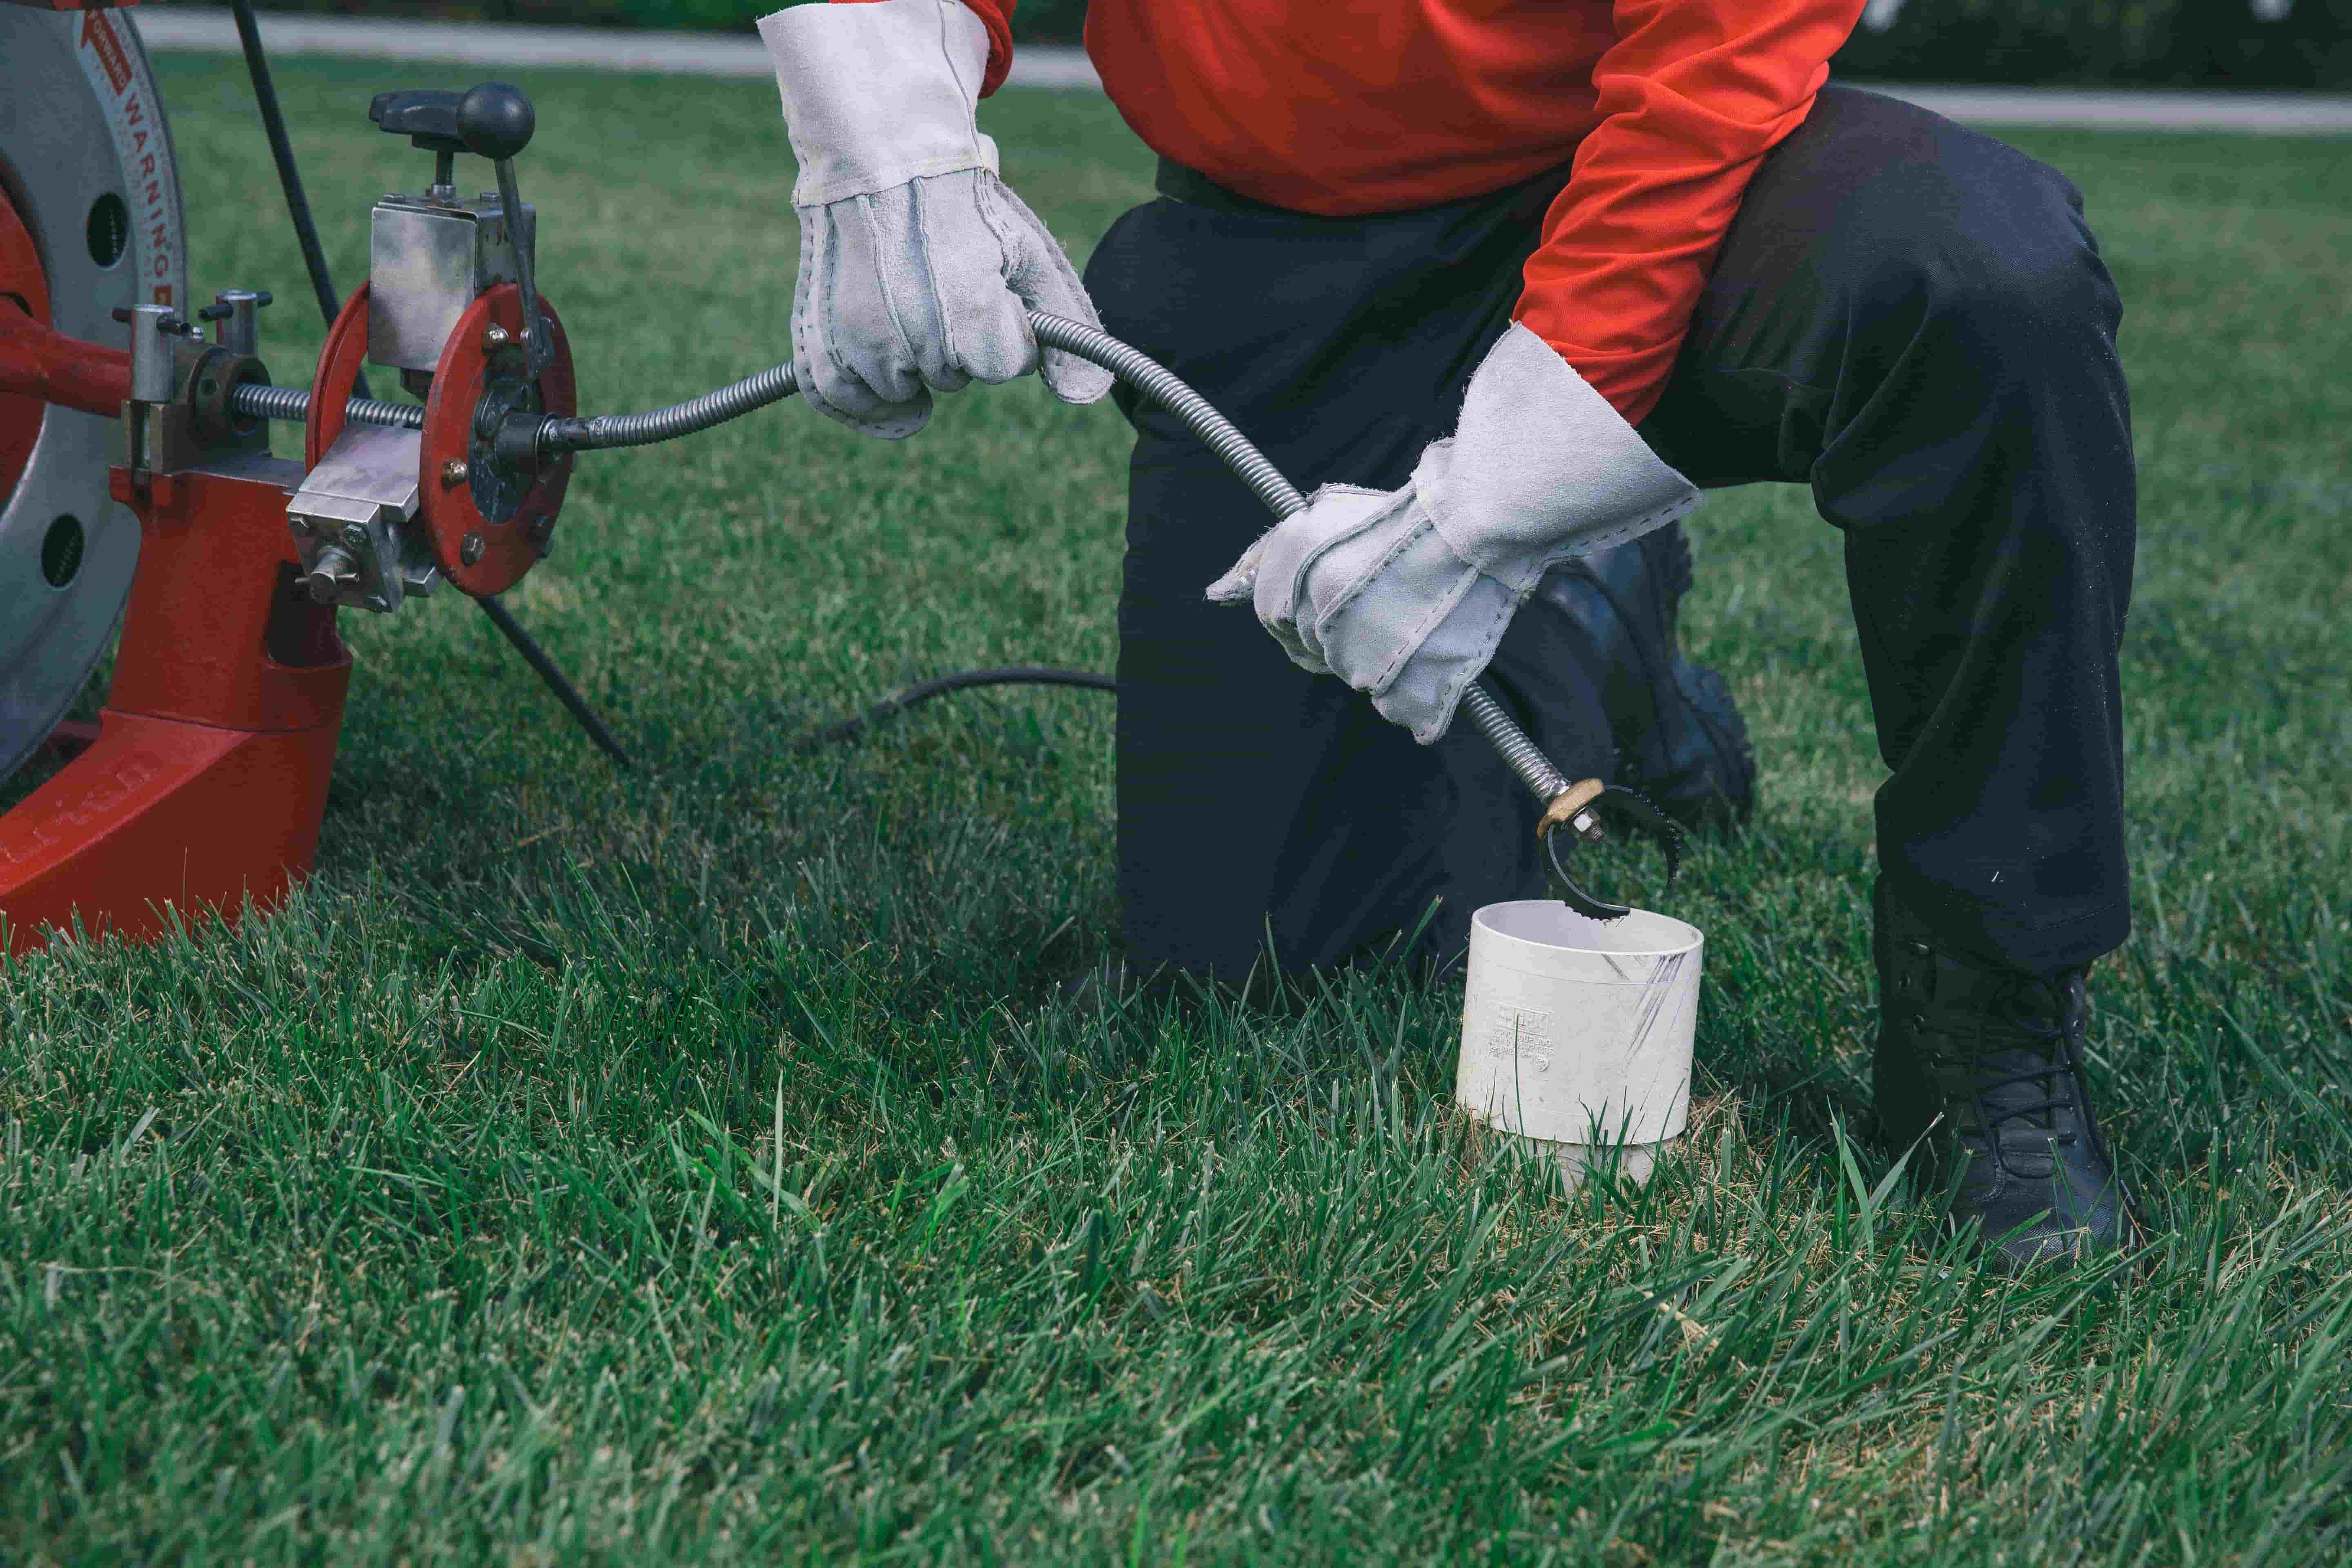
<point>961,680</point>
<point>536,656</point>
<point>314,258</point>
<point>290,178</point>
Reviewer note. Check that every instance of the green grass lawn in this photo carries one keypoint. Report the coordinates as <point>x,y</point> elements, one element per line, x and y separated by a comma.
<point>693,1164</point>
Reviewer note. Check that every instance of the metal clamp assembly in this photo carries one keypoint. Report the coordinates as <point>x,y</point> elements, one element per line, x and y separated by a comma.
<point>388,509</point>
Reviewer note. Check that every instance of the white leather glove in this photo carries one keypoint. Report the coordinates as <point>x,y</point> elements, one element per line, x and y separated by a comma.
<point>917,266</point>
<point>1406,594</point>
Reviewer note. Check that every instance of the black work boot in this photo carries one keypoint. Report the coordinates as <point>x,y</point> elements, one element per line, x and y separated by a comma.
<point>1983,1067</point>
<point>1679,738</point>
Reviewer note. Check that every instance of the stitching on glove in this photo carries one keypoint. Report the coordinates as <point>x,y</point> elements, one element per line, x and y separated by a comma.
<point>1593,543</point>
<point>893,426</point>
<point>828,255</point>
<point>1449,695</point>
<point>892,311</point>
<point>1352,590</point>
<point>1302,590</point>
<point>1016,254</point>
<point>805,313</point>
<point>1007,247</point>
<point>1410,647</point>
<point>954,367</point>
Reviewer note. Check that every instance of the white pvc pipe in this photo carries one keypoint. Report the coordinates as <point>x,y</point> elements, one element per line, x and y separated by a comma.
<point>1575,1033</point>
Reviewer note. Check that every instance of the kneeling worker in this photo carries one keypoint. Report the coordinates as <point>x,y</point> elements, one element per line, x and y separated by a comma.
<point>1511,282</point>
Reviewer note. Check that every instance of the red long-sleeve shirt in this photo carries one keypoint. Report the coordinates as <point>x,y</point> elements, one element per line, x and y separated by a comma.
<point>1664,105</point>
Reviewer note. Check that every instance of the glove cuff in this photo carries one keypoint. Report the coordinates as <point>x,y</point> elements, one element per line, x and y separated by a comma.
<point>1541,468</point>
<point>878,94</point>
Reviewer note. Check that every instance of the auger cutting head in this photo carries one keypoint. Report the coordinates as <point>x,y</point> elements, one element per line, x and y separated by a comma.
<point>1579,814</point>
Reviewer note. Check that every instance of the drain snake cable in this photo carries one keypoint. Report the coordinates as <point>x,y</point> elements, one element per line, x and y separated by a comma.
<point>1143,375</point>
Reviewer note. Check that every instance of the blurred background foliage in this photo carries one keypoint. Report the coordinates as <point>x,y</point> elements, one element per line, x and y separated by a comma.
<point>2149,43</point>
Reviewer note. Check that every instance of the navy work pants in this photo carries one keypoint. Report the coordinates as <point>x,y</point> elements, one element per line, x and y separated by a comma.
<point>1907,316</point>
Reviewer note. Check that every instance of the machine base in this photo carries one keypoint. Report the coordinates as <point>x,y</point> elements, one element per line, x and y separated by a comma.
<point>160,824</point>
<point>204,790</point>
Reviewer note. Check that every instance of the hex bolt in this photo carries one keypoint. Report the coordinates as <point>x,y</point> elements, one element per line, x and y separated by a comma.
<point>470,548</point>
<point>355,536</point>
<point>1588,828</point>
<point>453,473</point>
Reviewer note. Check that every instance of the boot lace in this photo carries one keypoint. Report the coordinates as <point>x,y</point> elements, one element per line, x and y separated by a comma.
<point>2055,1032</point>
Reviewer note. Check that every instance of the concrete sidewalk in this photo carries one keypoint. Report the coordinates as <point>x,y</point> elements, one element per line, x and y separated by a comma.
<point>484,49</point>
<point>487,48</point>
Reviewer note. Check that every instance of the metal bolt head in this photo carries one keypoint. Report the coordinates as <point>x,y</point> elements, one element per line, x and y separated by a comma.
<point>453,473</point>
<point>495,339</point>
<point>323,584</point>
<point>328,574</point>
<point>1588,828</point>
<point>470,548</point>
<point>355,536</point>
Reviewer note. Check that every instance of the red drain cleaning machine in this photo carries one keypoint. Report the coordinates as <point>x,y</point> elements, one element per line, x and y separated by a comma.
<point>138,488</point>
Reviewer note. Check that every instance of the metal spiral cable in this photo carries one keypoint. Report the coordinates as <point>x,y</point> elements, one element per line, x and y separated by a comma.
<point>1524,756</point>
<point>1147,377</point>
<point>258,400</point>
<point>604,431</point>
<point>1165,387</point>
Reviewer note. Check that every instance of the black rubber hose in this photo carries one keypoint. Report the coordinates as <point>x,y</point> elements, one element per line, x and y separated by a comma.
<point>961,680</point>
<point>565,692</point>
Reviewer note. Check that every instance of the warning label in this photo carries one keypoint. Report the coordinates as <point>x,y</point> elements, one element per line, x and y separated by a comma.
<point>118,75</point>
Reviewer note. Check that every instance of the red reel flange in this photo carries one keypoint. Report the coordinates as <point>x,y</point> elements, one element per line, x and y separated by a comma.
<point>490,519</point>
<point>338,373</point>
<point>487,520</point>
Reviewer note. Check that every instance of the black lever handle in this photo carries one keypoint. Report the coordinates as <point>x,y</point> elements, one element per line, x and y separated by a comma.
<point>492,121</point>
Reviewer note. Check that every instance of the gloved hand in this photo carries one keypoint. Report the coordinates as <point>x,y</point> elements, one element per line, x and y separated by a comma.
<point>917,267</point>
<point>1406,594</point>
